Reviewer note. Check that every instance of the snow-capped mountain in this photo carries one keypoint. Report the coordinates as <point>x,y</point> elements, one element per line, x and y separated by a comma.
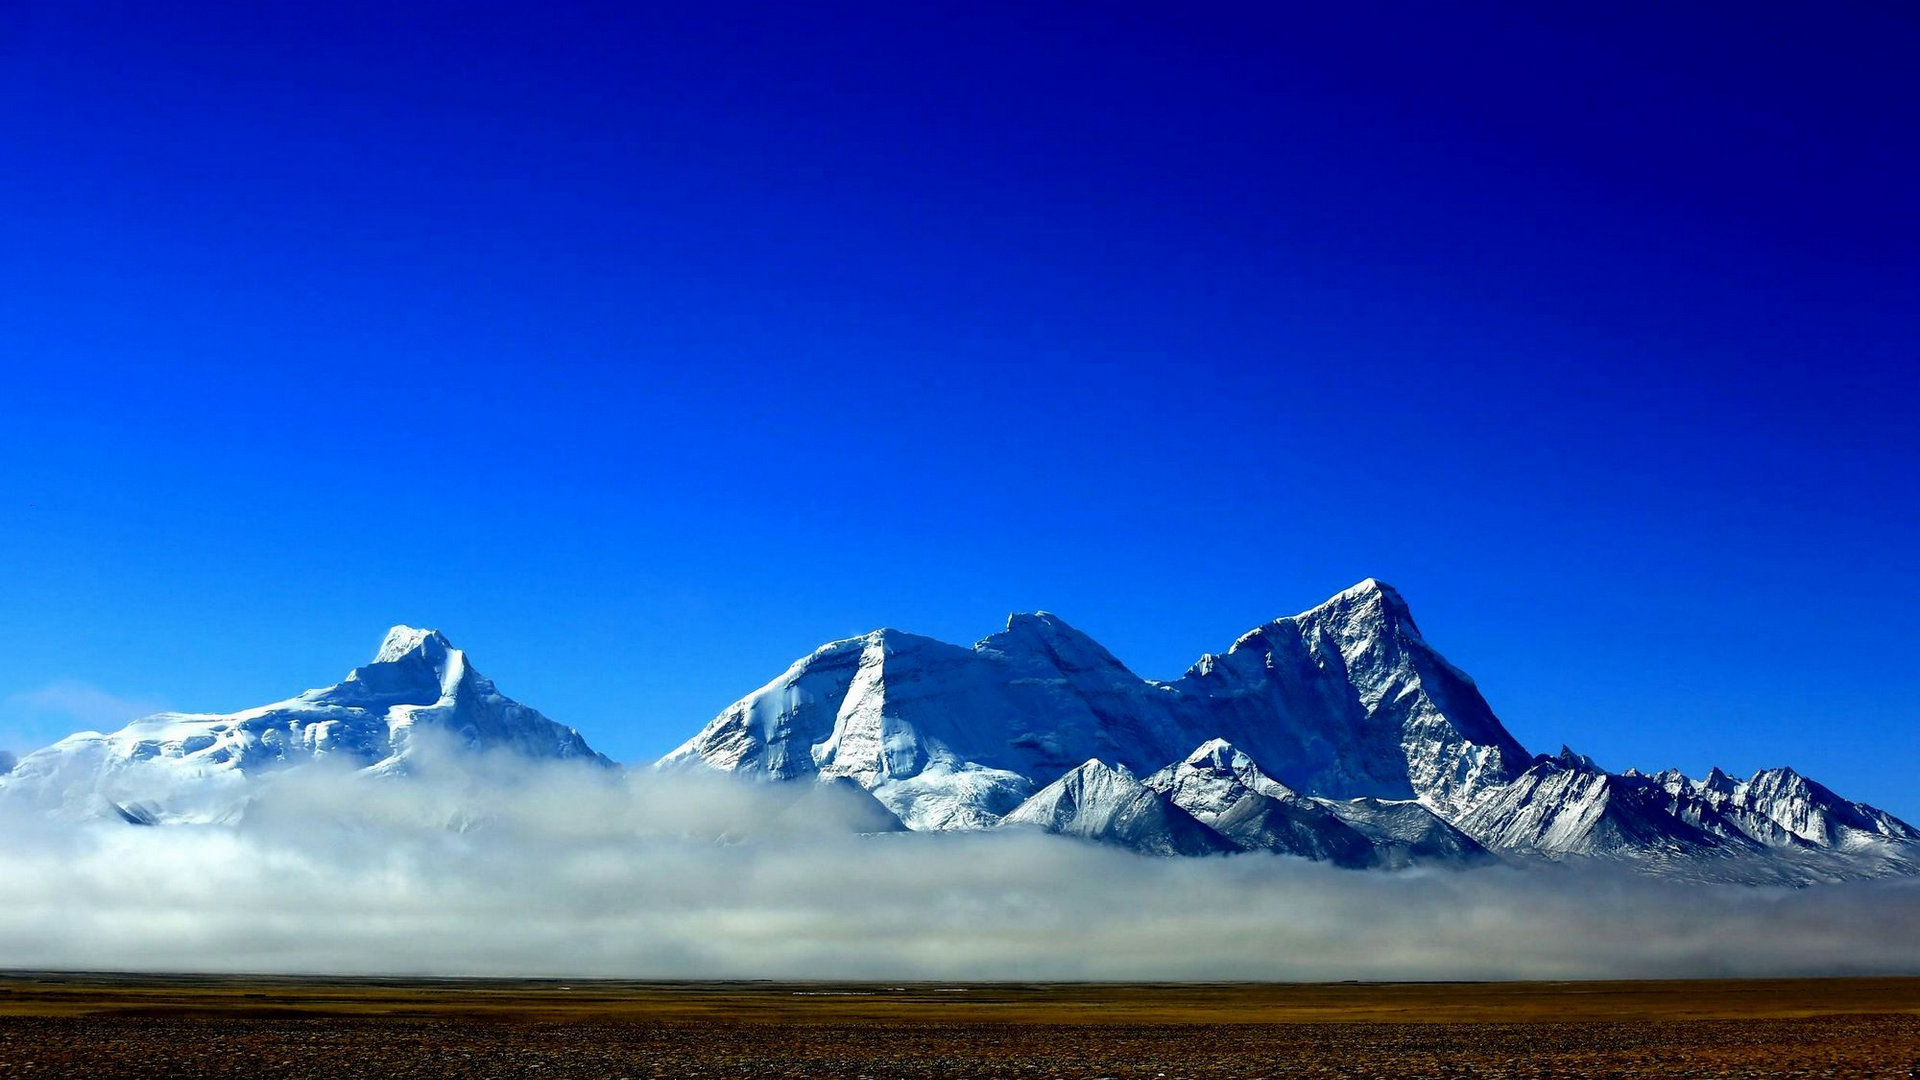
<point>1218,800</point>
<point>1348,700</point>
<point>1224,789</point>
<point>179,767</point>
<point>1779,807</point>
<point>946,737</point>
<point>1105,802</point>
<point>1567,805</point>
<point>1345,701</point>
<point>1338,733</point>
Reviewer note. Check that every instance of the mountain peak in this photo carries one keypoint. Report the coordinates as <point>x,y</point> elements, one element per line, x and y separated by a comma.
<point>1035,628</point>
<point>1213,779</point>
<point>1040,628</point>
<point>1370,608</point>
<point>1216,750</point>
<point>1098,801</point>
<point>403,641</point>
<point>1372,592</point>
<point>1033,620</point>
<point>1045,636</point>
<point>1567,758</point>
<point>1093,769</point>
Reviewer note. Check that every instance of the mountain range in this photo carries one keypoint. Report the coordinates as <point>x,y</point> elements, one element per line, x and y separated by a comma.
<point>1337,734</point>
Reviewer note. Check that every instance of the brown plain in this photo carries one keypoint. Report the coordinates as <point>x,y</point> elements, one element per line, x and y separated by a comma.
<point>258,1027</point>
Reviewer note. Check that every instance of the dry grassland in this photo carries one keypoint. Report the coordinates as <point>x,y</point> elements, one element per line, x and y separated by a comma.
<point>194,1027</point>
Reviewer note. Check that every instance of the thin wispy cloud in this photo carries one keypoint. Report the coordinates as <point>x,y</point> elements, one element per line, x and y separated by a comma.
<point>32,718</point>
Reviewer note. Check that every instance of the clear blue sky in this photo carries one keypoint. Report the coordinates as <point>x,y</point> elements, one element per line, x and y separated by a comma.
<point>641,348</point>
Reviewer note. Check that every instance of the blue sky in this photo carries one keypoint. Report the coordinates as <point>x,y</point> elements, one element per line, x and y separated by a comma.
<point>643,350</point>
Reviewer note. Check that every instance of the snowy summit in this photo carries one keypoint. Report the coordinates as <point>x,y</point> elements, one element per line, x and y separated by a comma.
<point>196,766</point>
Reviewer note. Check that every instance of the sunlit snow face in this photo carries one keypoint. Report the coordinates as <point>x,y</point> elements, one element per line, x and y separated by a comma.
<point>572,870</point>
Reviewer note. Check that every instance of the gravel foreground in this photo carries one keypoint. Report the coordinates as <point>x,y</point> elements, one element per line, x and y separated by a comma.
<point>238,1029</point>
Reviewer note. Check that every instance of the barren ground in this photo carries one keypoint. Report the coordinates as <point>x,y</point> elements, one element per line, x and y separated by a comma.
<point>242,1027</point>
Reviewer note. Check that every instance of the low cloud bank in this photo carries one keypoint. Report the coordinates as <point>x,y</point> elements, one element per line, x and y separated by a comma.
<point>573,872</point>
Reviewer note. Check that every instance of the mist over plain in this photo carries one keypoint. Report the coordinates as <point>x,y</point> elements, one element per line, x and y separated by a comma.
<point>492,867</point>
